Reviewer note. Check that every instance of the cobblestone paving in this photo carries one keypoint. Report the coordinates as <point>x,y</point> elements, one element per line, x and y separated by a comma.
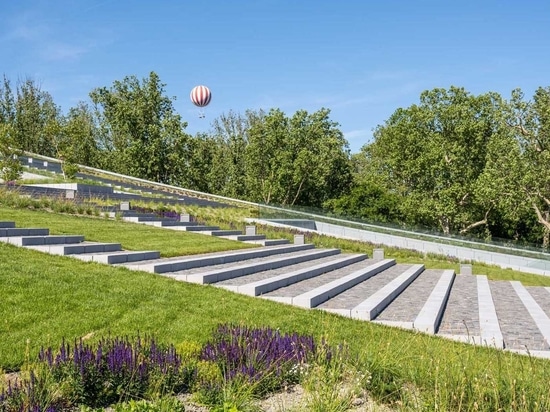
<point>461,316</point>
<point>407,306</point>
<point>542,296</point>
<point>179,258</point>
<point>357,294</point>
<point>308,284</point>
<point>210,268</point>
<point>518,328</point>
<point>254,277</point>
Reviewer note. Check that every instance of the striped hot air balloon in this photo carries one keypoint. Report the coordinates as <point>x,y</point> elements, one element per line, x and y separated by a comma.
<point>201,96</point>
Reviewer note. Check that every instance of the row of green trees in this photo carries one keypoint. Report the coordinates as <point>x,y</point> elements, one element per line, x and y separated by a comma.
<point>460,163</point>
<point>132,128</point>
<point>457,162</point>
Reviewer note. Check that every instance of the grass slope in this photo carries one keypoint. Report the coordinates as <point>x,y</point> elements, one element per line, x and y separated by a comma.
<point>132,236</point>
<point>45,299</point>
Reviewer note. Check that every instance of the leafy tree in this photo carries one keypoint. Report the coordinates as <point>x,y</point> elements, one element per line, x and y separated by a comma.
<point>522,171</point>
<point>80,136</point>
<point>366,201</point>
<point>432,155</point>
<point>7,103</point>
<point>230,133</point>
<point>10,166</point>
<point>34,110</point>
<point>139,126</point>
<point>302,160</point>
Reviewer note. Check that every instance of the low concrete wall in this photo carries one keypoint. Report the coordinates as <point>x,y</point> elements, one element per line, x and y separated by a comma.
<point>503,260</point>
<point>302,223</point>
<point>79,187</point>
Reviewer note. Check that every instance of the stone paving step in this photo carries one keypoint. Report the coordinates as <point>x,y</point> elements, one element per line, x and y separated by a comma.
<point>266,281</point>
<point>121,256</point>
<point>268,242</point>
<point>72,249</point>
<point>218,274</point>
<point>131,216</point>
<point>461,316</point>
<point>538,315</point>
<point>223,233</point>
<point>542,295</point>
<point>429,317</point>
<point>313,292</point>
<point>315,297</point>
<point>249,238</point>
<point>403,310</point>
<point>197,228</point>
<point>168,224</point>
<point>8,232</point>
<point>7,225</point>
<point>374,304</point>
<point>43,240</point>
<point>346,301</point>
<point>519,330</point>
<point>490,333</point>
<point>208,259</point>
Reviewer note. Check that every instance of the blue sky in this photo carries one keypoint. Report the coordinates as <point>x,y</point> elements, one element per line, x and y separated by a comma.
<point>361,59</point>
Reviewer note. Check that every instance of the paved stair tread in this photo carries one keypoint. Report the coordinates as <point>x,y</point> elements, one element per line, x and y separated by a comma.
<point>268,274</point>
<point>84,247</point>
<point>217,273</point>
<point>541,319</point>
<point>120,256</point>
<point>461,315</point>
<point>268,242</point>
<point>16,231</point>
<point>542,295</point>
<point>354,296</point>
<point>187,262</point>
<point>245,238</point>
<point>168,224</point>
<point>197,228</point>
<point>304,286</point>
<point>44,240</point>
<point>224,232</point>
<point>310,254</point>
<point>406,306</point>
<point>518,328</point>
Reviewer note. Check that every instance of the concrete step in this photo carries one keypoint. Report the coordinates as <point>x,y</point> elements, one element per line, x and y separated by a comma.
<point>268,242</point>
<point>132,216</point>
<point>403,310</point>
<point>313,292</point>
<point>356,294</point>
<point>169,224</point>
<point>8,232</point>
<point>374,304</point>
<point>43,240</point>
<point>460,320</point>
<point>267,281</point>
<point>72,249</point>
<point>489,327</point>
<point>518,318</point>
<point>223,233</point>
<point>122,256</point>
<point>429,317</point>
<point>246,238</point>
<point>537,313</point>
<point>220,273</point>
<point>209,259</point>
<point>197,228</point>
<point>7,225</point>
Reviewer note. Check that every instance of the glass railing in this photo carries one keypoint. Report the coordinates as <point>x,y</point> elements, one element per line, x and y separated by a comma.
<point>421,233</point>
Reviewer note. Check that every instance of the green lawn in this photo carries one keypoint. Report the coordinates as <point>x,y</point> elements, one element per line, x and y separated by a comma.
<point>45,298</point>
<point>132,236</point>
